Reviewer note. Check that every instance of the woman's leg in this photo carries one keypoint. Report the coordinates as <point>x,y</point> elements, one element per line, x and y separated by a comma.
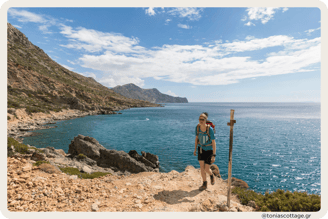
<point>202,170</point>
<point>208,170</point>
<point>203,173</point>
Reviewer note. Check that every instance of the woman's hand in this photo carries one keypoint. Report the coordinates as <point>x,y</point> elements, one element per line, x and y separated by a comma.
<point>213,159</point>
<point>194,152</point>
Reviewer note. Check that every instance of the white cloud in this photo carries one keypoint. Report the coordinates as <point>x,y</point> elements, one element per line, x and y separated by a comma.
<point>167,21</point>
<point>17,26</point>
<point>92,75</point>
<point>150,11</point>
<point>262,14</point>
<point>73,63</point>
<point>169,92</point>
<point>184,26</point>
<point>122,60</point>
<point>249,23</point>
<point>96,41</point>
<point>44,28</point>
<point>190,13</point>
<point>312,30</point>
<point>26,16</point>
<point>252,44</point>
<point>249,37</point>
<point>65,66</point>
<point>114,80</point>
<point>88,74</point>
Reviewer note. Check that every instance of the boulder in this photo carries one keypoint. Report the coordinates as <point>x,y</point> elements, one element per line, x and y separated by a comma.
<point>151,157</point>
<point>134,154</point>
<point>252,204</point>
<point>238,183</point>
<point>52,152</point>
<point>87,161</point>
<point>116,160</point>
<point>122,161</point>
<point>85,145</point>
<point>61,151</point>
<point>30,151</point>
<point>36,156</point>
<point>86,169</point>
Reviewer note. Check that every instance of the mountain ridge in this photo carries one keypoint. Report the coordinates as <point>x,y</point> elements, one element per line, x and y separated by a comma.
<point>39,84</point>
<point>152,95</point>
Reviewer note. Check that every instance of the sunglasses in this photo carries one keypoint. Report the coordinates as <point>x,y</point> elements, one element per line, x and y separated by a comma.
<point>201,119</point>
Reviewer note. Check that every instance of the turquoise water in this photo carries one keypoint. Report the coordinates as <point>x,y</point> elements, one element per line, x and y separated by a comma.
<point>276,145</point>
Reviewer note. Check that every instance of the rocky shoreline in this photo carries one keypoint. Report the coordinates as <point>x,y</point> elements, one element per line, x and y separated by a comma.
<point>88,156</point>
<point>19,122</point>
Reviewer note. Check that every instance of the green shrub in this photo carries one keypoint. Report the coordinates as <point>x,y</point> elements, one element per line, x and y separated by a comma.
<point>81,156</point>
<point>280,200</point>
<point>8,118</point>
<point>20,148</point>
<point>75,171</point>
<point>12,104</point>
<point>38,163</point>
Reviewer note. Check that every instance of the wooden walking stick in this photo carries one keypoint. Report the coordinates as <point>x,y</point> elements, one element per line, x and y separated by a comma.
<point>231,123</point>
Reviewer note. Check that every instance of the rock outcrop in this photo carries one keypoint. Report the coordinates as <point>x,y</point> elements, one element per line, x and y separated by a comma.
<point>238,183</point>
<point>46,189</point>
<point>151,95</point>
<point>131,162</point>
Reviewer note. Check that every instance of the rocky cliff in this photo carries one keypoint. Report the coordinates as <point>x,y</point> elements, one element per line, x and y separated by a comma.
<point>39,84</point>
<point>151,95</point>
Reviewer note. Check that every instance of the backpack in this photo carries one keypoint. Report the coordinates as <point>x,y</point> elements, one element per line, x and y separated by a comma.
<point>208,134</point>
<point>208,122</point>
<point>207,131</point>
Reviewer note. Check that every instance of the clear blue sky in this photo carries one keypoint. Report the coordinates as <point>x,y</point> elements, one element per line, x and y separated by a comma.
<point>204,54</point>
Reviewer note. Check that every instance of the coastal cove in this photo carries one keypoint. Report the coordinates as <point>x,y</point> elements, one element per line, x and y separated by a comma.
<point>276,145</point>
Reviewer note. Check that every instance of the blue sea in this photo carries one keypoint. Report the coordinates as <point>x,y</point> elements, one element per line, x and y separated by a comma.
<point>275,145</point>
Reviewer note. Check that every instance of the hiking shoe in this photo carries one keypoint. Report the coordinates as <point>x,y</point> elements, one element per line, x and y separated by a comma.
<point>212,179</point>
<point>204,186</point>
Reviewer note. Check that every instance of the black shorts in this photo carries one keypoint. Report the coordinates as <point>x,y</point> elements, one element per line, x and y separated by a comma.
<point>205,156</point>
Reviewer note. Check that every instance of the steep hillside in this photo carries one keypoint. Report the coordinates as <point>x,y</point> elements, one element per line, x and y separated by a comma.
<point>151,95</point>
<point>39,84</point>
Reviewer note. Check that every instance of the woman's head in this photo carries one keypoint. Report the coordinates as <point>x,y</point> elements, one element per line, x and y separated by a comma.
<point>202,118</point>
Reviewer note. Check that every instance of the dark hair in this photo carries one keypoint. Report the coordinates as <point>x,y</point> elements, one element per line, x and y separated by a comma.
<point>206,114</point>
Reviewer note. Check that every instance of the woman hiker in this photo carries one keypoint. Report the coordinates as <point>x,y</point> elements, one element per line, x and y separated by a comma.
<point>205,141</point>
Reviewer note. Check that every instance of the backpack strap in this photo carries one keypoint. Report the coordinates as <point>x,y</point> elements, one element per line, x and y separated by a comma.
<point>198,127</point>
<point>208,132</point>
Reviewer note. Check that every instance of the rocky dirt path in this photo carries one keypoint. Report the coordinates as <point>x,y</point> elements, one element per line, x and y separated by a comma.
<point>44,188</point>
